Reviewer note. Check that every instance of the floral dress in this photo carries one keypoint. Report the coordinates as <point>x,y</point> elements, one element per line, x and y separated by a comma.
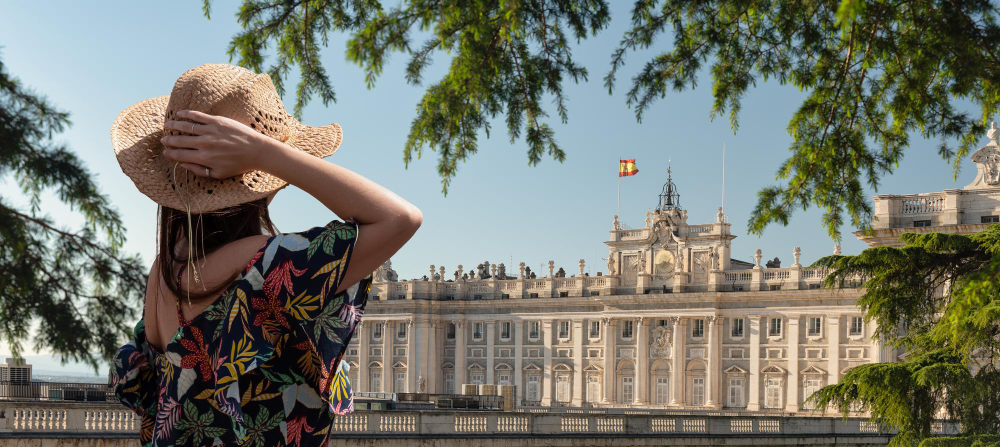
<point>262,365</point>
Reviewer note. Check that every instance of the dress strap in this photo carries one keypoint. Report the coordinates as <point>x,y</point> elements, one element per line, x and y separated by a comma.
<point>180,313</point>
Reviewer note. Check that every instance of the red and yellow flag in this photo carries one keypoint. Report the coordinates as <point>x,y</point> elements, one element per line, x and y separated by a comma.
<point>627,168</point>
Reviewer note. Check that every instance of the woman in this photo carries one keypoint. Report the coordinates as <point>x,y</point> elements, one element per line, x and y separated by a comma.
<point>244,328</point>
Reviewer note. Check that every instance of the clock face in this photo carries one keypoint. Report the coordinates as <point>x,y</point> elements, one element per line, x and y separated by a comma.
<point>664,263</point>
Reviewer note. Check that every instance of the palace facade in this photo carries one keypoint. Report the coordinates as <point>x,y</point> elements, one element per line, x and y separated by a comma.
<point>675,322</point>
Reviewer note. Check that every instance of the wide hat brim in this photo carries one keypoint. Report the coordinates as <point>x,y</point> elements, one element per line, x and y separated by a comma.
<point>135,137</point>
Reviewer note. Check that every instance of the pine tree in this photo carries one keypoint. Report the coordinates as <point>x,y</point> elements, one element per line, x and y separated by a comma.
<point>76,283</point>
<point>876,74</point>
<point>937,298</point>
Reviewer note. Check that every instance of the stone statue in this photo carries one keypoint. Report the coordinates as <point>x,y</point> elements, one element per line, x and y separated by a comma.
<point>987,159</point>
<point>796,252</point>
<point>521,266</point>
<point>533,275</point>
<point>421,384</point>
<point>649,219</point>
<point>617,225</point>
<point>458,273</point>
<point>642,262</point>
<point>756,258</point>
<point>561,273</point>
<point>773,264</point>
<point>493,270</point>
<point>432,272</point>
<point>679,266</point>
<point>385,273</point>
<point>465,276</point>
<point>660,347</point>
<point>441,276</point>
<point>611,264</point>
<point>836,250</point>
<point>552,266</point>
<point>713,254</point>
<point>501,271</point>
<point>582,264</point>
<point>527,272</point>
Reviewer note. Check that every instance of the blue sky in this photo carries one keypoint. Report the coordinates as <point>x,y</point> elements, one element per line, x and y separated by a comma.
<point>94,59</point>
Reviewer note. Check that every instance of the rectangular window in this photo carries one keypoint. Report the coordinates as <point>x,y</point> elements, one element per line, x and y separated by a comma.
<point>736,392</point>
<point>376,352</point>
<point>698,328</point>
<point>503,378</point>
<point>400,385</point>
<point>533,353</point>
<point>774,328</point>
<point>400,351</point>
<point>737,327</point>
<point>451,331</point>
<point>811,386</point>
<point>921,223</point>
<point>477,331</point>
<point>477,353</point>
<point>563,329</point>
<point>815,326</point>
<point>627,330</point>
<point>698,391</point>
<point>595,329</point>
<point>531,390</point>
<point>627,394</point>
<point>736,353</point>
<point>562,388</point>
<point>377,331</point>
<point>662,390</point>
<point>563,294</point>
<point>505,330</point>
<point>449,383</point>
<point>593,388</point>
<point>989,219</point>
<point>772,395</point>
<point>400,330</point>
<point>533,330</point>
<point>857,326</point>
<point>375,384</point>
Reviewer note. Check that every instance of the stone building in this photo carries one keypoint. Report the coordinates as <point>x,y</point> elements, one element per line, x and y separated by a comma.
<point>675,322</point>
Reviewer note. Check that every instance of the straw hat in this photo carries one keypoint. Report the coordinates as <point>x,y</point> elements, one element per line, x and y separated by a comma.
<point>217,89</point>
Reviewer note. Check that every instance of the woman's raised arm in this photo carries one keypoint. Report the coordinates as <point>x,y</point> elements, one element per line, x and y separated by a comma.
<point>228,147</point>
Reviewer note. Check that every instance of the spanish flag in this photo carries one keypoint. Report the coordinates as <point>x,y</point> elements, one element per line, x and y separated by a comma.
<point>627,168</point>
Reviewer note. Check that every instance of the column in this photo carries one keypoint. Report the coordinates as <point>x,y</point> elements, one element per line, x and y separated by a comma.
<point>792,403</point>
<point>641,362</point>
<point>490,351</point>
<point>609,361</point>
<point>432,372</point>
<point>712,385</point>
<point>677,354</point>
<point>518,354</point>
<point>547,363</point>
<point>833,350</point>
<point>753,402</point>
<point>388,333</point>
<point>411,356</point>
<point>578,390</point>
<point>460,368</point>
<point>363,337</point>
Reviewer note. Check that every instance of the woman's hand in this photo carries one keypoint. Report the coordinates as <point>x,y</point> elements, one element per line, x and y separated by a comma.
<point>217,147</point>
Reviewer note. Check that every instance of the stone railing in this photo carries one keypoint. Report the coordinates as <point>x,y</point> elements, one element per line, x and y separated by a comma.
<point>67,417</point>
<point>109,419</point>
<point>922,204</point>
<point>755,279</point>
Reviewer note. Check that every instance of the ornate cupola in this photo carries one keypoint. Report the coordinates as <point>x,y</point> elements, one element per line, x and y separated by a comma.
<point>670,199</point>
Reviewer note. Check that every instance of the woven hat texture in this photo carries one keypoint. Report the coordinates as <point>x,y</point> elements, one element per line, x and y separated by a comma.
<point>216,89</point>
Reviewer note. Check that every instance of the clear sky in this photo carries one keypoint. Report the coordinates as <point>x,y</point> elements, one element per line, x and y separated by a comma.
<point>94,59</point>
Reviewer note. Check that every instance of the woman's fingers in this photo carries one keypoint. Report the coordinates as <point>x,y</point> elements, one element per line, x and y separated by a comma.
<point>194,142</point>
<point>197,169</point>
<point>200,117</point>
<point>183,155</point>
<point>186,127</point>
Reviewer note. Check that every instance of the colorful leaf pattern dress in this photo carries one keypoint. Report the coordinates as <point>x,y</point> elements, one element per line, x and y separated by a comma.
<point>262,365</point>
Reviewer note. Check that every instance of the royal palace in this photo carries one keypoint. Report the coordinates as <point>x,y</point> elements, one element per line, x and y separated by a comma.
<point>675,323</point>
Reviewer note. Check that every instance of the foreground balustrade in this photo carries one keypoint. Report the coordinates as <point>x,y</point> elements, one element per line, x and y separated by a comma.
<point>112,420</point>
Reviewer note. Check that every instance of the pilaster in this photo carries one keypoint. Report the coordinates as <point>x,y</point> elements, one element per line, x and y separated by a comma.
<point>518,362</point>
<point>547,363</point>
<point>578,390</point>
<point>460,360</point>
<point>792,403</point>
<point>641,361</point>
<point>609,361</point>
<point>490,351</point>
<point>753,402</point>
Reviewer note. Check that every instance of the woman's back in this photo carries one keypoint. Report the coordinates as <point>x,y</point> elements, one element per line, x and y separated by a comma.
<point>261,364</point>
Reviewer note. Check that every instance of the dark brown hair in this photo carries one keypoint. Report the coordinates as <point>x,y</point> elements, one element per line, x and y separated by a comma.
<point>210,232</point>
